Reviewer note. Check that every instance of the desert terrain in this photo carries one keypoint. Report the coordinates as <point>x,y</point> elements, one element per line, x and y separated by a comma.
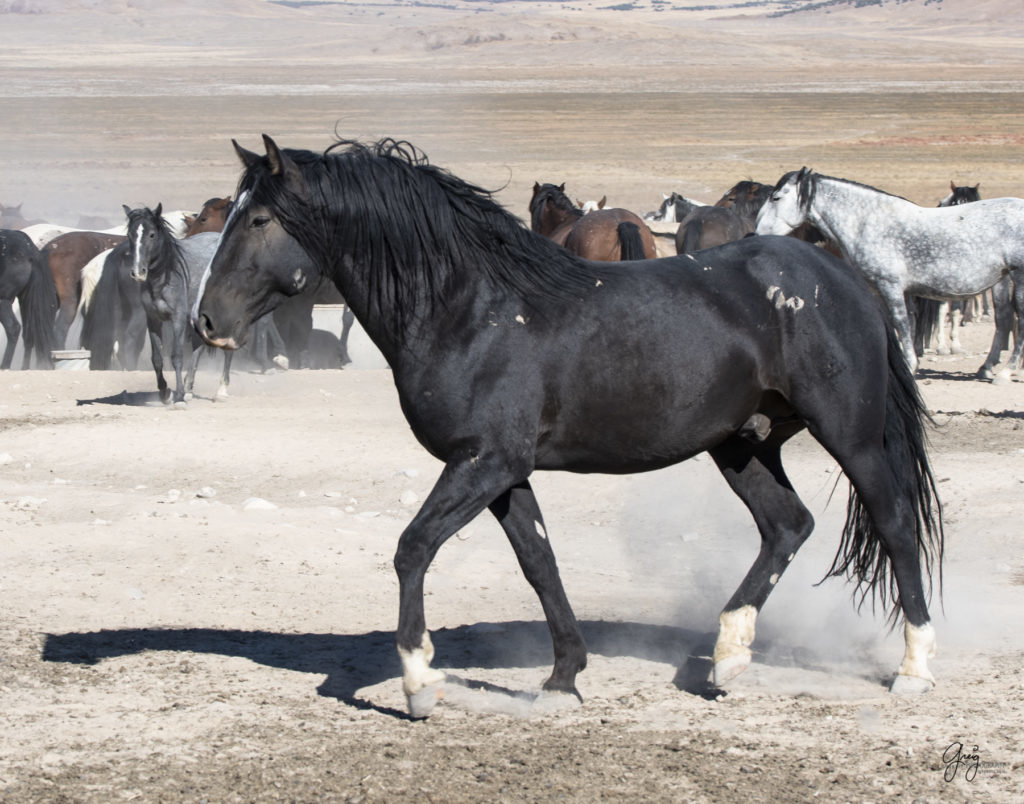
<point>199,604</point>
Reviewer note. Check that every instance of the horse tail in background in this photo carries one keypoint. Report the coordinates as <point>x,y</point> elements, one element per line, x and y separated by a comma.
<point>39,303</point>
<point>631,245</point>
<point>927,321</point>
<point>99,316</point>
<point>861,556</point>
<point>691,237</point>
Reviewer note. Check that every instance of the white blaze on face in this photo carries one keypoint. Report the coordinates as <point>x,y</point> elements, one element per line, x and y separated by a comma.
<point>136,251</point>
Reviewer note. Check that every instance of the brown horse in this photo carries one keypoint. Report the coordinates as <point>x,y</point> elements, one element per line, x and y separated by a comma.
<point>607,235</point>
<point>732,217</point>
<point>211,218</point>
<point>67,255</point>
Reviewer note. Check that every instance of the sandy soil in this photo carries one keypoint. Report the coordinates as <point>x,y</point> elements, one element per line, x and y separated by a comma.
<point>166,636</point>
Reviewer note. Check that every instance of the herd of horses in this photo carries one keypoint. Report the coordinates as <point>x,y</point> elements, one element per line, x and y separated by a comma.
<point>499,340</point>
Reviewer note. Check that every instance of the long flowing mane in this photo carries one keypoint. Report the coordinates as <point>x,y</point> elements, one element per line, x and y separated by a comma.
<point>413,227</point>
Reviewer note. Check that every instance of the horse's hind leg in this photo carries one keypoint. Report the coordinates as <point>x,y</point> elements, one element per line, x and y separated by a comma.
<point>1013,364</point>
<point>519,515</point>
<point>1002,304</point>
<point>755,474</point>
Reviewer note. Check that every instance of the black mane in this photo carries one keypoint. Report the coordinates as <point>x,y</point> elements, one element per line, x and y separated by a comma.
<point>411,225</point>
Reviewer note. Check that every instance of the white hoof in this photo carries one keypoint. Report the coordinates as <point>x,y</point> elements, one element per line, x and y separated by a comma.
<point>910,685</point>
<point>727,669</point>
<point>1004,377</point>
<point>222,394</point>
<point>180,406</point>
<point>188,396</point>
<point>281,361</point>
<point>422,702</point>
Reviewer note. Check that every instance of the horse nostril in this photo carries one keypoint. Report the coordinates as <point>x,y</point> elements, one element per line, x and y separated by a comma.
<point>204,324</point>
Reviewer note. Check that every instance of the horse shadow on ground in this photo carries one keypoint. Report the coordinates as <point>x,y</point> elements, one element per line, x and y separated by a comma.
<point>135,399</point>
<point>352,662</point>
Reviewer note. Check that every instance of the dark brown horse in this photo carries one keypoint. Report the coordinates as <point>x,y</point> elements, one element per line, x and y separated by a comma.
<point>607,235</point>
<point>67,255</point>
<point>732,217</point>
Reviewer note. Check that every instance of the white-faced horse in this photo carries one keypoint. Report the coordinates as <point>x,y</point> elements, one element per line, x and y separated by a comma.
<point>900,247</point>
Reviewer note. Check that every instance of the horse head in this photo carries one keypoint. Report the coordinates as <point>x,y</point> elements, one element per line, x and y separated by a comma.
<point>145,229</point>
<point>788,204</point>
<point>258,262</point>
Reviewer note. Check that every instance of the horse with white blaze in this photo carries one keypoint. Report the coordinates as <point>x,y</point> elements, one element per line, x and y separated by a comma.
<point>510,354</point>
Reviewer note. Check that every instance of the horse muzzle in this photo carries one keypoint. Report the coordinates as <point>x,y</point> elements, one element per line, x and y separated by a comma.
<point>204,326</point>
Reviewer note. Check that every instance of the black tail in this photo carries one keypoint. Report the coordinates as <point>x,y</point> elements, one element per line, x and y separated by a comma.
<point>38,302</point>
<point>631,245</point>
<point>926,322</point>
<point>691,237</point>
<point>99,316</point>
<point>861,556</point>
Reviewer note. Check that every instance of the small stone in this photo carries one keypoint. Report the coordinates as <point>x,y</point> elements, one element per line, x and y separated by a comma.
<point>206,492</point>
<point>258,504</point>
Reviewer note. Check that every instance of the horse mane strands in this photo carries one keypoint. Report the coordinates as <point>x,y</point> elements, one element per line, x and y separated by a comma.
<point>411,224</point>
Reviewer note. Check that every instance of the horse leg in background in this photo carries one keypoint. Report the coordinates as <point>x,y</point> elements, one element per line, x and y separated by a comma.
<point>278,352</point>
<point>469,482</point>
<point>754,472</point>
<point>913,304</point>
<point>133,339</point>
<point>348,318</point>
<point>519,516</point>
<point>956,320</point>
<point>156,347</point>
<point>1016,315</point>
<point>892,295</point>
<point>225,377</point>
<point>1002,304</point>
<point>942,346</point>
<point>12,329</point>
<point>178,325</point>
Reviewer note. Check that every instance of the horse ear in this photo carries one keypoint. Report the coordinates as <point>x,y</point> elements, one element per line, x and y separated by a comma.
<point>561,187</point>
<point>127,210</point>
<point>280,164</point>
<point>189,220</point>
<point>602,202</point>
<point>159,211</point>
<point>952,185</point>
<point>248,157</point>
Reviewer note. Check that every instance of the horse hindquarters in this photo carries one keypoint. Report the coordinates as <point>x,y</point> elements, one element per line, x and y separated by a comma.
<point>893,530</point>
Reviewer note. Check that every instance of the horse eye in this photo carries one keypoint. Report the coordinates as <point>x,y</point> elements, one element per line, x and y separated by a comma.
<point>260,222</point>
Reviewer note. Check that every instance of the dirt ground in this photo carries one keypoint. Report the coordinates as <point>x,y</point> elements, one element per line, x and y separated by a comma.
<point>199,604</point>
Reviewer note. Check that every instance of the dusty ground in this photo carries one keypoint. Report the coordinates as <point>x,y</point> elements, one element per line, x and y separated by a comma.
<point>160,639</point>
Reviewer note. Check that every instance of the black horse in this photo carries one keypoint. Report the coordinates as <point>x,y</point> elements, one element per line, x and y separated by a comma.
<point>25,276</point>
<point>509,355</point>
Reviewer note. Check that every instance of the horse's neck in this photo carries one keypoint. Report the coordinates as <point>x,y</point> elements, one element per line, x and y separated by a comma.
<point>842,210</point>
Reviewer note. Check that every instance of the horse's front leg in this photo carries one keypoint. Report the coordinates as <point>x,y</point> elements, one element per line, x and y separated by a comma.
<point>177,355</point>
<point>892,295</point>
<point>156,348</point>
<point>225,376</point>
<point>470,482</point>
<point>12,329</point>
